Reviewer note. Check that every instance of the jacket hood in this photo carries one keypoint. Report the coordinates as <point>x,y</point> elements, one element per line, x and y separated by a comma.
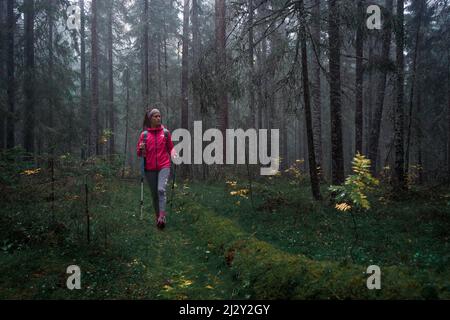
<point>158,128</point>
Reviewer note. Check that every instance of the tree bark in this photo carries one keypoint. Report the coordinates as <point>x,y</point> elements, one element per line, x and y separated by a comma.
<point>399,112</point>
<point>83,106</point>
<point>308,119</point>
<point>93,144</point>
<point>251,86</point>
<point>166,67</point>
<point>11,88</point>
<point>316,84</point>
<point>3,28</point>
<point>378,110</point>
<point>448,113</point>
<point>196,43</point>
<point>127,105</point>
<point>28,83</point>
<point>111,81</point>
<point>413,83</point>
<point>337,154</point>
<point>185,69</point>
<point>51,99</point>
<point>222,96</point>
<point>359,78</point>
<point>145,85</point>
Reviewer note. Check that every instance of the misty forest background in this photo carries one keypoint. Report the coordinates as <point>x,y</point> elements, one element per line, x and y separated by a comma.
<point>366,112</point>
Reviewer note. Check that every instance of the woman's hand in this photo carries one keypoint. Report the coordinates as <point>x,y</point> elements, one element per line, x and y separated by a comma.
<point>142,146</point>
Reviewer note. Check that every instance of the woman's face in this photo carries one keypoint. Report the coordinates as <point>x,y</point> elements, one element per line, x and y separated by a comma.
<point>156,119</point>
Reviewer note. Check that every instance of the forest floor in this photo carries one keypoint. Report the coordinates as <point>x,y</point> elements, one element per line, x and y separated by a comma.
<point>130,258</point>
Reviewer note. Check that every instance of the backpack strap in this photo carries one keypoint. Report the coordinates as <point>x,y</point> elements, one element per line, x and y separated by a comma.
<point>166,136</point>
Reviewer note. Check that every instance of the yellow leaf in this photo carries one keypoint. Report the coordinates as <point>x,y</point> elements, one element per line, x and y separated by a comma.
<point>343,206</point>
<point>167,287</point>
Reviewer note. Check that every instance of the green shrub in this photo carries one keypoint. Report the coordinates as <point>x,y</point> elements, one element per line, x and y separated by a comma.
<point>354,191</point>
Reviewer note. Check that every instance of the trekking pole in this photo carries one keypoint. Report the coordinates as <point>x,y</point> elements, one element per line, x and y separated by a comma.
<point>143,174</point>
<point>173,186</point>
<point>142,187</point>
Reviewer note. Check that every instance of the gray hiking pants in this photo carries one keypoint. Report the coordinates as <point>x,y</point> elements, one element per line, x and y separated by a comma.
<point>157,181</point>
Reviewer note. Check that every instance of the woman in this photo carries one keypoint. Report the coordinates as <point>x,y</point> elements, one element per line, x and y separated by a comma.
<point>156,150</point>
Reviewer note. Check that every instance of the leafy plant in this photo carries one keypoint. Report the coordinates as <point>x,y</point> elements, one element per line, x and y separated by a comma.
<point>353,193</point>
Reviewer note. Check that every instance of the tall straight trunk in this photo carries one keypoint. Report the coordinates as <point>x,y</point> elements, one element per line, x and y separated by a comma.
<point>222,96</point>
<point>127,106</point>
<point>448,113</point>
<point>51,100</point>
<point>166,68</point>
<point>316,83</point>
<point>359,78</point>
<point>196,43</point>
<point>28,83</point>
<point>308,118</point>
<point>11,88</point>
<point>3,28</point>
<point>111,81</point>
<point>160,95</point>
<point>83,98</point>
<point>145,85</point>
<point>251,85</point>
<point>374,137</point>
<point>399,112</point>
<point>185,68</point>
<point>285,149</point>
<point>337,153</point>
<point>419,134</point>
<point>368,111</point>
<point>261,58</point>
<point>413,83</point>
<point>93,143</point>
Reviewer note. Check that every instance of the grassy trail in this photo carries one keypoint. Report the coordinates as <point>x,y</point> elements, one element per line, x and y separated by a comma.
<point>134,261</point>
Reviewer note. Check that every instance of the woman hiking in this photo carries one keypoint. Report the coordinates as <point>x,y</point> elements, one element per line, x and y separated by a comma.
<point>157,151</point>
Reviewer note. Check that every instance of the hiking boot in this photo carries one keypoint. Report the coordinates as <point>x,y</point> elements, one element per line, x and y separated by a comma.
<point>161,223</point>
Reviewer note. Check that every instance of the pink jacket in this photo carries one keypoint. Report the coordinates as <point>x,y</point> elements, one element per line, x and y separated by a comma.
<point>157,148</point>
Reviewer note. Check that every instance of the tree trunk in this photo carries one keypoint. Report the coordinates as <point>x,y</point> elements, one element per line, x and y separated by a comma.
<point>11,88</point>
<point>3,28</point>
<point>308,119</point>
<point>337,154</point>
<point>145,85</point>
<point>28,83</point>
<point>359,78</point>
<point>196,43</point>
<point>316,83</point>
<point>127,105</point>
<point>448,114</point>
<point>222,96</point>
<point>378,112</point>
<point>160,95</point>
<point>251,86</point>
<point>398,125</point>
<point>413,83</point>
<point>83,98</point>
<point>111,81</point>
<point>52,84</point>
<point>185,68</point>
<point>93,143</point>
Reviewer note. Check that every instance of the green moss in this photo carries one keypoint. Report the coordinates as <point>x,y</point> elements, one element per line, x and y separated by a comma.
<point>267,272</point>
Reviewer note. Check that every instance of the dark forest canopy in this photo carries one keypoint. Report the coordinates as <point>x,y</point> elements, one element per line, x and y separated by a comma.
<point>82,87</point>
